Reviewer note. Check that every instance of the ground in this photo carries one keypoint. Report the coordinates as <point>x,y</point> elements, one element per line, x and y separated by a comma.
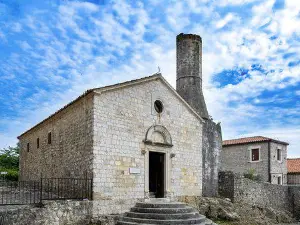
<point>223,211</point>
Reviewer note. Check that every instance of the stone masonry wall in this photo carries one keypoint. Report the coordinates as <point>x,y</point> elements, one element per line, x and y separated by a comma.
<point>70,151</point>
<point>237,158</point>
<point>294,193</point>
<point>55,213</point>
<point>212,146</point>
<point>122,118</point>
<point>278,168</point>
<point>226,185</point>
<point>240,189</point>
<point>261,194</point>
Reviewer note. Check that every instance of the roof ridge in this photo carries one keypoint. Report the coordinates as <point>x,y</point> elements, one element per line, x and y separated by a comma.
<point>86,92</point>
<point>251,139</point>
<point>154,76</point>
<point>246,137</point>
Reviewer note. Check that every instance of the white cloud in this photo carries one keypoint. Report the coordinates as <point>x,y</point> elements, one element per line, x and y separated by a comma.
<point>233,2</point>
<point>2,36</point>
<point>123,10</point>
<point>24,45</point>
<point>227,19</point>
<point>7,140</point>
<point>16,27</point>
<point>288,18</point>
<point>262,13</point>
<point>177,16</point>
<point>241,45</point>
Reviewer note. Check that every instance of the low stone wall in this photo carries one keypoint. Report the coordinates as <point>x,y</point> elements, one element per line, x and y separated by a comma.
<point>55,213</point>
<point>261,194</point>
<point>294,192</point>
<point>240,189</point>
<point>226,185</point>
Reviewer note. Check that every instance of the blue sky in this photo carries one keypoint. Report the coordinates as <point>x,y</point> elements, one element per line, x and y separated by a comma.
<point>52,51</point>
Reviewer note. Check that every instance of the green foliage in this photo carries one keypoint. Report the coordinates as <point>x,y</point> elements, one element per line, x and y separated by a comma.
<point>12,174</point>
<point>9,158</point>
<point>9,162</point>
<point>251,174</point>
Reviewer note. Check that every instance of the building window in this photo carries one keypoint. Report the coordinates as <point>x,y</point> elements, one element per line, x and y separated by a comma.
<point>255,154</point>
<point>49,138</point>
<point>279,154</point>
<point>28,147</point>
<point>279,180</point>
<point>37,143</point>
<point>158,106</point>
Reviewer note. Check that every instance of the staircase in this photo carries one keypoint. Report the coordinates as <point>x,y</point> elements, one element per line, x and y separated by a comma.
<point>162,211</point>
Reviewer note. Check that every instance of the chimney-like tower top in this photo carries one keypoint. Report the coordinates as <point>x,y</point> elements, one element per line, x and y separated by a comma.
<point>189,71</point>
<point>188,36</point>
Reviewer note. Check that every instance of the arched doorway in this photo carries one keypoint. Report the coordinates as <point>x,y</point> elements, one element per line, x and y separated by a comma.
<point>158,142</point>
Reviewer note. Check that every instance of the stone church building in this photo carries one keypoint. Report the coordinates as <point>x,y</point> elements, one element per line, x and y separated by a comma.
<point>137,139</point>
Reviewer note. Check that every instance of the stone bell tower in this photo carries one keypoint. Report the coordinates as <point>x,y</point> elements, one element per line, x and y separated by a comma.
<point>189,71</point>
<point>189,87</point>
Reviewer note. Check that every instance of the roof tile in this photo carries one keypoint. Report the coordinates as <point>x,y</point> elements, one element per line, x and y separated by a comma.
<point>293,165</point>
<point>247,140</point>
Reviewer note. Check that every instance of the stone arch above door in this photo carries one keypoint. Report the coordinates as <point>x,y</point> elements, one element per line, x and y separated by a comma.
<point>158,135</point>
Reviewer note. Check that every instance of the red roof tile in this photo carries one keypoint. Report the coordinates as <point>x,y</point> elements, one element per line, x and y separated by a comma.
<point>247,140</point>
<point>293,165</point>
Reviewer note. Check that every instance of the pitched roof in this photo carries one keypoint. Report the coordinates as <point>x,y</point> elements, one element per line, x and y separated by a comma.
<point>254,139</point>
<point>115,86</point>
<point>293,165</point>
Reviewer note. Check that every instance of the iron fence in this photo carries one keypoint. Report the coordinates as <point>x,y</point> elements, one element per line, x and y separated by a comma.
<point>34,192</point>
<point>66,188</point>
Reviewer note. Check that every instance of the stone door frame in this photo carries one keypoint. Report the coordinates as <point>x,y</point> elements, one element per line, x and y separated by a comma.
<point>167,169</point>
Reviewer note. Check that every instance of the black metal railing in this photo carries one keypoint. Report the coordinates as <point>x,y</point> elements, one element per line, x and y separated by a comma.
<point>34,192</point>
<point>19,192</point>
<point>66,188</point>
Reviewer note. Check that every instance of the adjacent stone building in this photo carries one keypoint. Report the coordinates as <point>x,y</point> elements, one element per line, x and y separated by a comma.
<point>293,171</point>
<point>265,156</point>
<point>137,139</point>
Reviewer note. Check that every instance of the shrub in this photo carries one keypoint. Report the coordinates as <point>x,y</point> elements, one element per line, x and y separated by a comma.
<point>251,174</point>
<point>12,174</point>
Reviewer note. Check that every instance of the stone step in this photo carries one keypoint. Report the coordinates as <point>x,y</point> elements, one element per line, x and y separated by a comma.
<point>199,220</point>
<point>165,212</point>
<point>186,209</point>
<point>160,205</point>
<point>160,216</point>
<point>132,223</point>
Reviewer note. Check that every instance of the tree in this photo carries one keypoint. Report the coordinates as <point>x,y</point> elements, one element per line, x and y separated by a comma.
<point>9,158</point>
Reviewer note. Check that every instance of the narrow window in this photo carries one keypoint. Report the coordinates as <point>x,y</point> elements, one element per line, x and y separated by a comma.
<point>28,147</point>
<point>49,138</point>
<point>255,154</point>
<point>279,154</point>
<point>37,143</point>
<point>279,180</point>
